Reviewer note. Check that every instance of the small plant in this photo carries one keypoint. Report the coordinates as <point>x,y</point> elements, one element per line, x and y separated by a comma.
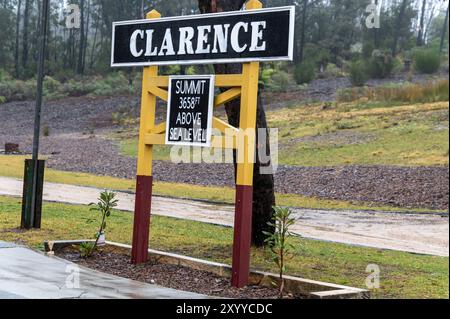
<point>358,73</point>
<point>106,202</point>
<point>280,250</point>
<point>46,131</point>
<point>86,249</point>
<point>304,72</point>
<point>427,61</point>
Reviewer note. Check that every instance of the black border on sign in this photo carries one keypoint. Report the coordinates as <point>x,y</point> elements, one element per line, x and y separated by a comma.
<point>289,57</point>
<point>210,77</point>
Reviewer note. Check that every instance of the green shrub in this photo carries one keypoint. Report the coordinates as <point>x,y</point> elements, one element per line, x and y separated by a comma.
<point>76,88</point>
<point>380,65</point>
<point>333,71</point>
<point>367,49</point>
<point>51,85</point>
<point>2,99</point>
<point>358,73</point>
<point>304,72</point>
<point>16,90</point>
<point>275,79</point>
<point>191,70</point>
<point>280,81</point>
<point>170,69</point>
<point>4,76</point>
<point>266,77</point>
<point>113,84</point>
<point>317,54</point>
<point>427,61</point>
<point>52,89</point>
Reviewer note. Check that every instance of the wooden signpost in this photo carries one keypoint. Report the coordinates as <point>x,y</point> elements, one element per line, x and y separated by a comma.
<point>247,36</point>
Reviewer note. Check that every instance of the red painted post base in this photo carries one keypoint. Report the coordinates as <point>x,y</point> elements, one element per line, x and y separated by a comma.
<point>142,212</point>
<point>242,236</point>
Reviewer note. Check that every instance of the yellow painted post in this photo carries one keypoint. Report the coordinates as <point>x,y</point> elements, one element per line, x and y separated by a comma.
<point>245,157</point>
<point>144,180</point>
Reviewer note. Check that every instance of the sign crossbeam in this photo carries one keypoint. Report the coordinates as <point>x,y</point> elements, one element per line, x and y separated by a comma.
<point>162,94</point>
<point>222,80</point>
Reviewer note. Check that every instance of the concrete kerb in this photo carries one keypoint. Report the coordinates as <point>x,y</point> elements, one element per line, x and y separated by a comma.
<point>311,288</point>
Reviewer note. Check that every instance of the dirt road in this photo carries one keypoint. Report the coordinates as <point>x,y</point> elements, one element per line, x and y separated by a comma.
<point>416,233</point>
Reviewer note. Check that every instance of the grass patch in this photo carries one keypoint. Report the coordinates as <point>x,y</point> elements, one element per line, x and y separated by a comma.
<point>403,275</point>
<point>129,147</point>
<point>12,166</point>
<point>407,135</point>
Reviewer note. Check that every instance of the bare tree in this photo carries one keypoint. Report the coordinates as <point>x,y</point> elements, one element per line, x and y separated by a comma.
<point>444,31</point>
<point>26,23</point>
<point>398,26</point>
<point>263,191</point>
<point>16,48</point>
<point>80,69</point>
<point>303,31</point>
<point>420,36</point>
<point>88,23</point>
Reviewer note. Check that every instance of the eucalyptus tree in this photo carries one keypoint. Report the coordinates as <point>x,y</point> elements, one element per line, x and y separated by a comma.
<point>263,189</point>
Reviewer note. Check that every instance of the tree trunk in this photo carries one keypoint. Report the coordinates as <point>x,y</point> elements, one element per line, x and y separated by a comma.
<point>17,45</point>
<point>420,39</point>
<point>376,34</point>
<point>142,10</point>
<point>303,31</point>
<point>26,22</point>
<point>94,43</point>
<point>398,26</point>
<point>86,37</point>
<point>444,32</point>
<point>82,37</point>
<point>263,189</point>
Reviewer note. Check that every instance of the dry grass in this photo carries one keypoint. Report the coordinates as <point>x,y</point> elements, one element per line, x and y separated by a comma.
<point>432,91</point>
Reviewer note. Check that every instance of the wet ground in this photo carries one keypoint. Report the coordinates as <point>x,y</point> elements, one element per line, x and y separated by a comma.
<point>26,274</point>
<point>406,187</point>
<point>425,233</point>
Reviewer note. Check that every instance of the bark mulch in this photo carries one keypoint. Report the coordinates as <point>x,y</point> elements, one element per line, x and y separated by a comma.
<point>116,261</point>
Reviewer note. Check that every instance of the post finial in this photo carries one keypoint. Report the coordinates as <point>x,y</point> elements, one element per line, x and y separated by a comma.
<point>153,14</point>
<point>253,4</point>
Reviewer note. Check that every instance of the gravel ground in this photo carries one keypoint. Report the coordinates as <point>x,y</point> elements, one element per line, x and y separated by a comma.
<point>117,262</point>
<point>408,187</point>
<point>76,143</point>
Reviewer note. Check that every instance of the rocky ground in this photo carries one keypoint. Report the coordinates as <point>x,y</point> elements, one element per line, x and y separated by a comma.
<point>77,141</point>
